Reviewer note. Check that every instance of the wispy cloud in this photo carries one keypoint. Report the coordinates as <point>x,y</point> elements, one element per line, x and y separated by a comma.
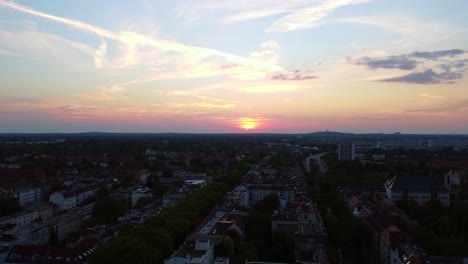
<point>268,52</point>
<point>210,105</point>
<point>36,45</point>
<point>248,15</point>
<point>10,53</point>
<point>162,55</point>
<point>103,94</point>
<point>268,88</point>
<point>412,33</point>
<point>293,14</point>
<point>309,17</point>
<point>240,10</point>
<point>446,107</point>
<point>99,55</point>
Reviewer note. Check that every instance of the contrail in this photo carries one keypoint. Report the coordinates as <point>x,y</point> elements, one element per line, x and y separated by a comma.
<point>139,39</point>
<point>71,22</point>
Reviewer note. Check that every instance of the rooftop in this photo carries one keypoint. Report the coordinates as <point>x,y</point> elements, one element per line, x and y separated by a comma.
<point>421,183</point>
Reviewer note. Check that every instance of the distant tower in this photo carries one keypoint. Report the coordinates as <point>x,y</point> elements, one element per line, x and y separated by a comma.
<point>346,151</point>
<point>429,143</point>
<point>378,145</point>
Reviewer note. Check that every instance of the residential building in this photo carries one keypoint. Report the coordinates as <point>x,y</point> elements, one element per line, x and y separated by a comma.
<point>193,252</point>
<point>45,210</point>
<point>82,195</point>
<point>258,192</point>
<point>310,240</point>
<point>140,193</point>
<point>20,219</point>
<point>221,260</point>
<point>304,230</point>
<point>420,189</point>
<point>65,224</point>
<point>64,200</point>
<point>78,254</point>
<point>27,195</point>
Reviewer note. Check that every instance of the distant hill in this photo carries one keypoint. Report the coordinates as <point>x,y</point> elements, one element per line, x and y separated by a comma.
<point>330,134</point>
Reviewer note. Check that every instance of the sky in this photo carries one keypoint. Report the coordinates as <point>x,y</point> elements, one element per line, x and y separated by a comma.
<point>244,66</point>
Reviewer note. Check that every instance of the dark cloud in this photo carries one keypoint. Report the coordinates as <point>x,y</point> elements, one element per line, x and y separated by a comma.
<point>432,55</point>
<point>401,62</point>
<point>404,61</point>
<point>426,77</point>
<point>454,65</point>
<point>291,76</point>
<point>444,71</point>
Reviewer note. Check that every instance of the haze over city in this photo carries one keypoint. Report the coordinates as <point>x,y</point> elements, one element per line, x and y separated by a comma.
<point>234,66</point>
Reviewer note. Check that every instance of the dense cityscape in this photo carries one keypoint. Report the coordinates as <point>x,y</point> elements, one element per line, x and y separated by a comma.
<point>322,197</point>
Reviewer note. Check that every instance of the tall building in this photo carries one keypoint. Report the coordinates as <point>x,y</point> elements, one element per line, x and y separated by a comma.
<point>346,151</point>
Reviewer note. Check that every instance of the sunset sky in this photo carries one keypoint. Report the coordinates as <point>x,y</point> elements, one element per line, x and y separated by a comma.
<point>244,66</point>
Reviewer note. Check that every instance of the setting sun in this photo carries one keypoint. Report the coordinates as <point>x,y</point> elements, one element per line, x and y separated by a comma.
<point>248,123</point>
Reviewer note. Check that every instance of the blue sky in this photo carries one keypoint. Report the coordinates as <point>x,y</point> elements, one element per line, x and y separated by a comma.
<point>234,66</point>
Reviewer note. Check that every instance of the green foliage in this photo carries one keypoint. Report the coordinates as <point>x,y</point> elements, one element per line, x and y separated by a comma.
<point>281,159</point>
<point>127,249</point>
<point>245,251</point>
<point>8,205</point>
<point>142,202</point>
<point>107,211</point>
<point>258,226</point>
<point>159,236</point>
<point>236,171</point>
<point>268,204</point>
<point>344,230</point>
<point>441,231</point>
<point>260,243</point>
<point>224,248</point>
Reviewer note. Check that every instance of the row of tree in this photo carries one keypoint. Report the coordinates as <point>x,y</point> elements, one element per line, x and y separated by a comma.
<point>439,230</point>
<point>349,239</point>
<point>156,240</point>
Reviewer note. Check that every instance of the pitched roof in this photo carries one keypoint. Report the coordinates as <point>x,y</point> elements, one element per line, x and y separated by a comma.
<point>415,183</point>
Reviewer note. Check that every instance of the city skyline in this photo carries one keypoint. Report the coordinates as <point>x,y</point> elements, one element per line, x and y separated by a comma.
<point>234,66</point>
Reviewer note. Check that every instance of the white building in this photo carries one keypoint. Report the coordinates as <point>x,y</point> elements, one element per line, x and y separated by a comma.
<point>40,233</point>
<point>140,193</point>
<point>65,224</point>
<point>420,189</point>
<point>64,200</point>
<point>20,219</point>
<point>27,195</point>
<point>258,192</point>
<point>453,179</point>
<point>193,252</point>
<point>82,195</point>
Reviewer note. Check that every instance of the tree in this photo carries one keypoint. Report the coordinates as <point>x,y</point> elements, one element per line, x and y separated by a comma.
<point>268,204</point>
<point>8,205</point>
<point>224,248</point>
<point>127,250</point>
<point>108,210</point>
